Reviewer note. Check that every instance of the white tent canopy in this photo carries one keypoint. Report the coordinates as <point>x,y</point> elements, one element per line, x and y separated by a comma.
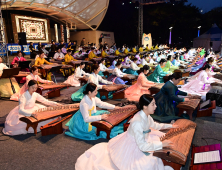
<point>83,14</point>
<point>211,38</point>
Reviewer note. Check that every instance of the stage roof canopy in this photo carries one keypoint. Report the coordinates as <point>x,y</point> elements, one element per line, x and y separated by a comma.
<point>84,14</point>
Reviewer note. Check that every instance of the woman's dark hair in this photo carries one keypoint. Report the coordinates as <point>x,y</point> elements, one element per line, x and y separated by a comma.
<point>176,57</point>
<point>162,61</point>
<point>210,60</point>
<point>145,100</point>
<point>169,57</point>
<point>207,66</point>
<point>40,52</point>
<point>145,67</point>
<point>68,51</point>
<point>176,75</point>
<point>90,88</point>
<point>82,63</point>
<point>103,59</point>
<point>33,69</point>
<point>95,67</point>
<point>19,52</point>
<point>32,82</point>
<point>135,59</point>
<point>116,58</point>
<point>118,63</point>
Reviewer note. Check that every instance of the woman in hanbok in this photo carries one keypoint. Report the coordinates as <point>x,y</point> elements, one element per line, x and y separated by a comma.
<point>133,68</point>
<point>176,61</point>
<point>138,58</point>
<point>103,67</point>
<point>73,80</point>
<point>27,106</point>
<point>32,76</point>
<point>114,63</point>
<point>133,149</point>
<point>93,78</point>
<point>15,63</point>
<point>80,124</point>
<point>5,84</point>
<point>169,67</point>
<point>117,74</point>
<point>144,60</point>
<point>200,84</point>
<point>127,61</point>
<point>158,74</point>
<point>141,87</point>
<point>167,99</point>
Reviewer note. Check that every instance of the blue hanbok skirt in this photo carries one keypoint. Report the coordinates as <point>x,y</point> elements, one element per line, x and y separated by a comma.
<point>78,96</point>
<point>78,128</point>
<point>131,71</point>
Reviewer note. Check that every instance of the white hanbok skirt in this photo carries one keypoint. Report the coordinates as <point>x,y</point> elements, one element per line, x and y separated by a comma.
<point>13,126</point>
<point>121,153</point>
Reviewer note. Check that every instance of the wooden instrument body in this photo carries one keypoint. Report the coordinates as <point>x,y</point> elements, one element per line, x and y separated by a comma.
<point>45,115</point>
<point>120,94</point>
<point>54,127</point>
<point>130,78</point>
<point>83,80</point>
<point>114,118</point>
<point>156,88</point>
<point>207,112</point>
<point>54,89</point>
<point>109,88</point>
<point>182,138</point>
<point>218,76</point>
<point>188,106</point>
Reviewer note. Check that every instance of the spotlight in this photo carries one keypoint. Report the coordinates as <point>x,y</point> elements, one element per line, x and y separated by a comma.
<point>122,3</point>
<point>199,27</point>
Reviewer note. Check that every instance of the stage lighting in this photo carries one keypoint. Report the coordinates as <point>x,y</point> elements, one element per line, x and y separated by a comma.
<point>122,3</point>
<point>199,27</point>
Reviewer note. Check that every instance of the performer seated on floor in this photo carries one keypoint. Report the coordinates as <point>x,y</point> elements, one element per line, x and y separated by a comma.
<point>73,80</point>
<point>158,74</point>
<point>133,68</point>
<point>32,76</point>
<point>117,74</point>
<point>141,87</point>
<point>26,107</point>
<point>144,60</point>
<point>117,52</point>
<point>167,99</point>
<point>103,67</point>
<point>114,63</point>
<point>104,53</point>
<point>133,149</point>
<point>15,63</point>
<point>127,61</point>
<point>59,55</point>
<point>169,67</point>
<point>68,57</point>
<point>93,78</point>
<point>200,83</point>
<point>40,61</point>
<point>92,54</point>
<point>2,66</point>
<point>80,124</point>
<point>138,58</point>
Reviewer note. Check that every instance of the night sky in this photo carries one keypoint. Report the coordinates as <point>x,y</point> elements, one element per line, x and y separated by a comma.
<point>206,5</point>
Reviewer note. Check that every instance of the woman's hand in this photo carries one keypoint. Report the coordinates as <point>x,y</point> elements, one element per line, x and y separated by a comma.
<point>117,107</point>
<point>104,116</point>
<point>175,126</point>
<point>167,144</point>
<point>186,99</point>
